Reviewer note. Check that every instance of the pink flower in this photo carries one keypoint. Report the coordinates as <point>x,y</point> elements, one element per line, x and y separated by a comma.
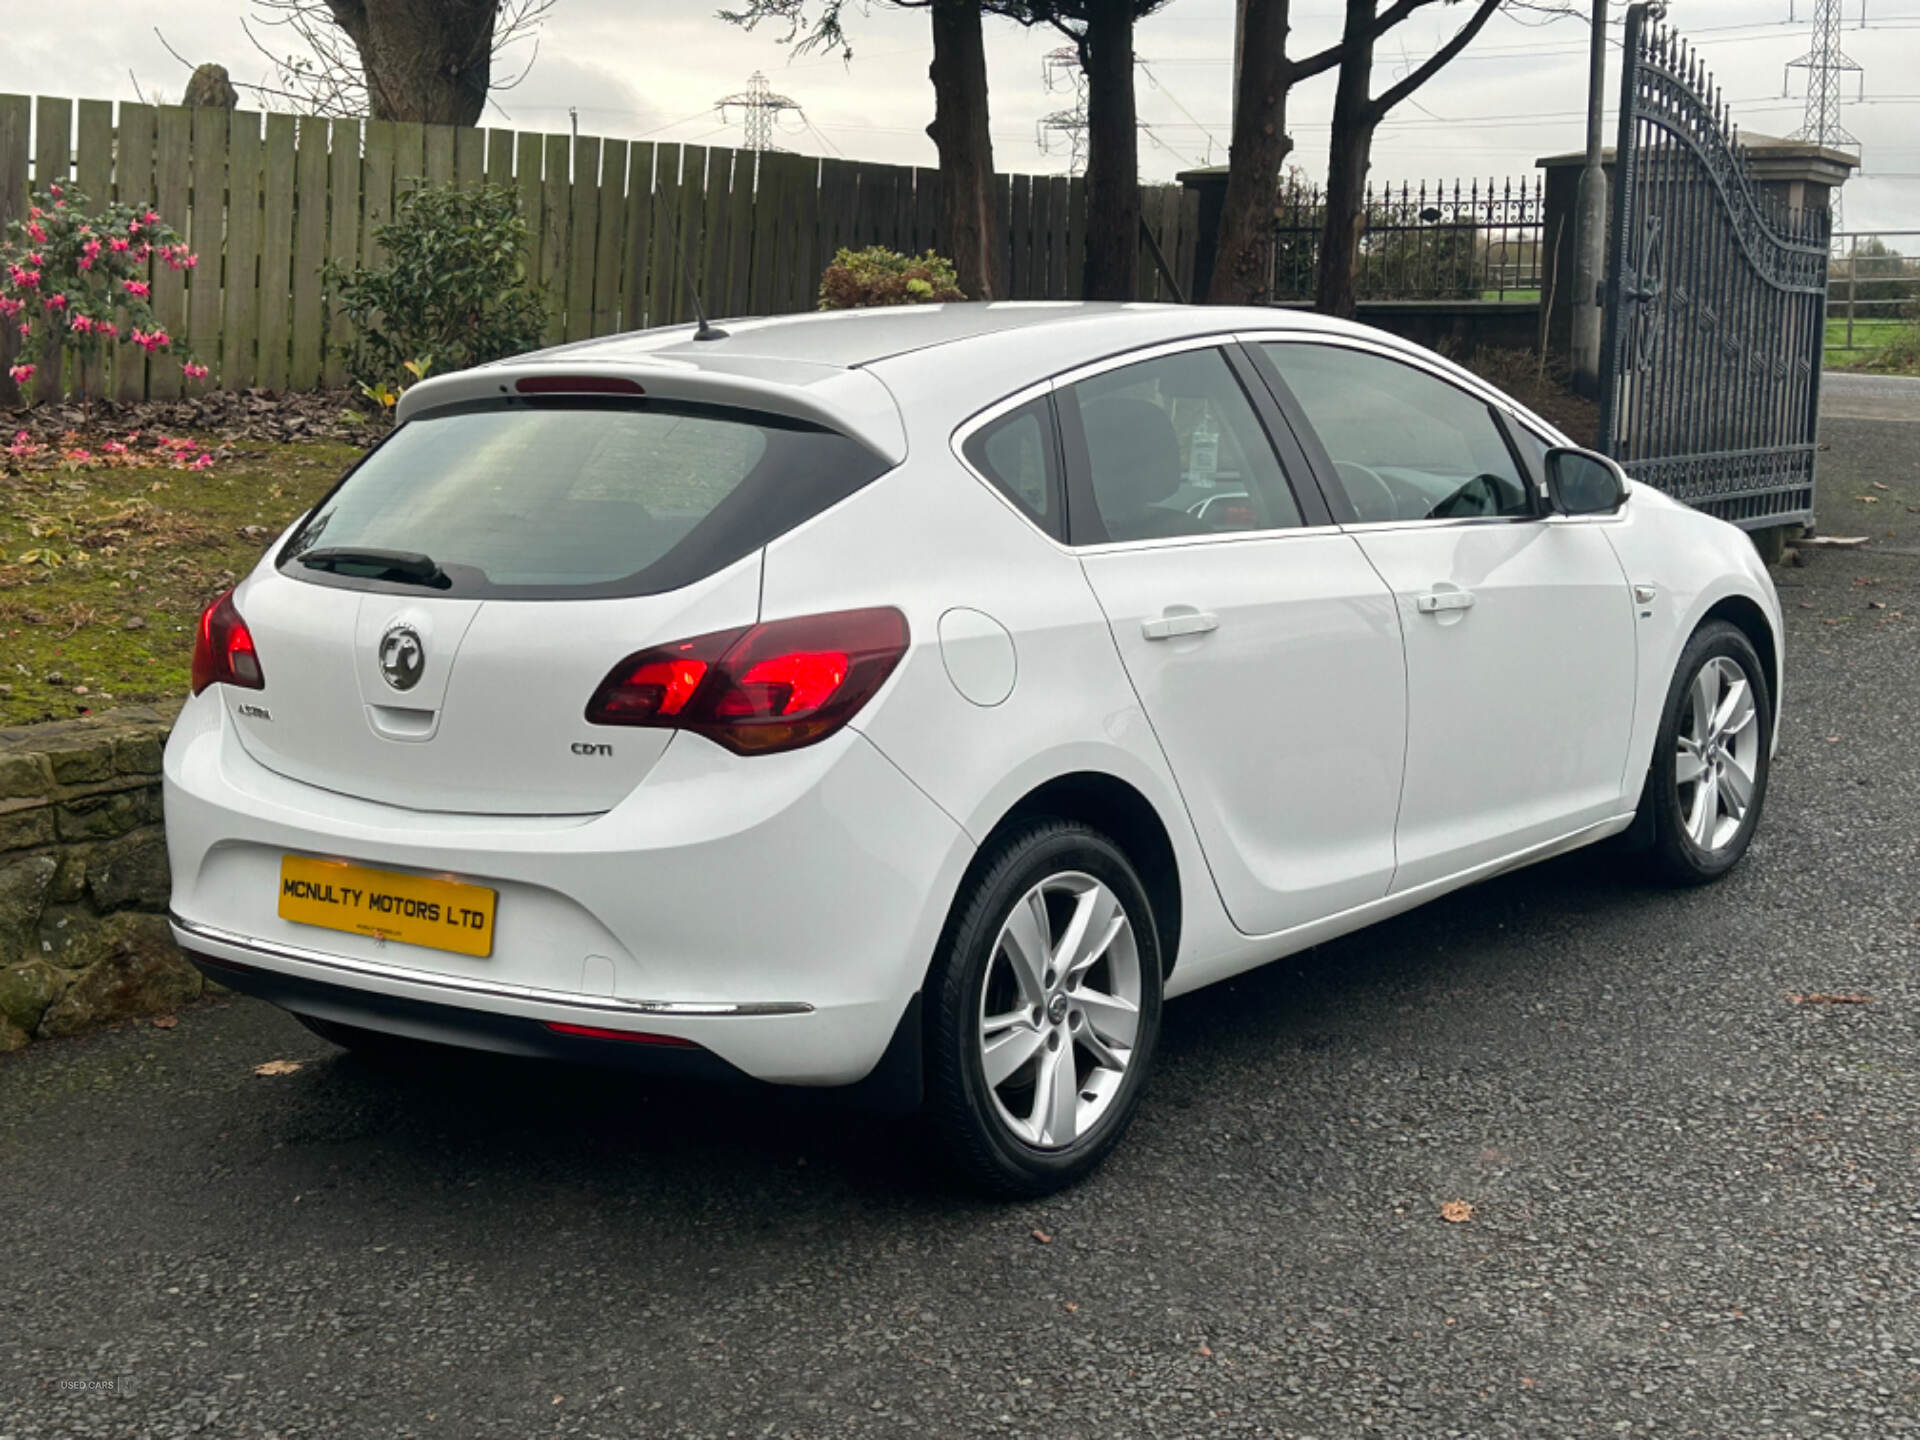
<point>36,233</point>
<point>140,288</point>
<point>107,328</point>
<point>9,306</point>
<point>23,279</point>
<point>113,447</point>
<point>91,249</point>
<point>55,190</point>
<point>81,324</point>
<point>118,245</point>
<point>193,371</point>
<point>79,454</point>
<point>143,252</point>
<point>56,302</point>
<point>152,217</point>
<point>35,259</point>
<point>21,374</point>
<point>205,462</point>
<point>190,261</point>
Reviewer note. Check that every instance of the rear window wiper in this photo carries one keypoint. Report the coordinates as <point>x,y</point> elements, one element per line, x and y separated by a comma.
<point>407,566</point>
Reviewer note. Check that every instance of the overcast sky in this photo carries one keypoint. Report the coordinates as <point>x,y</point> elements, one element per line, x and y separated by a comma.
<point>654,68</point>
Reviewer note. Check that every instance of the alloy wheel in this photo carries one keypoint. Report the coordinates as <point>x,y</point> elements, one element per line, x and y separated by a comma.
<point>1718,754</point>
<point>1060,1010</point>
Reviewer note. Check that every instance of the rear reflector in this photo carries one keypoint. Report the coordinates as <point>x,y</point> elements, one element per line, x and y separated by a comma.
<point>578,385</point>
<point>776,686</point>
<point>636,1037</point>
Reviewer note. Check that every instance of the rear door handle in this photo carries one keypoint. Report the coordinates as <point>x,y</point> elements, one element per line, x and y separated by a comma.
<point>1434,601</point>
<point>1179,620</point>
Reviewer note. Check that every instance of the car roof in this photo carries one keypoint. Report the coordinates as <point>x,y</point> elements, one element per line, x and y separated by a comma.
<point>855,338</point>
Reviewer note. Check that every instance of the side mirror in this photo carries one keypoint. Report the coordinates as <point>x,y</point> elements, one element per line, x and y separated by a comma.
<point>1580,482</point>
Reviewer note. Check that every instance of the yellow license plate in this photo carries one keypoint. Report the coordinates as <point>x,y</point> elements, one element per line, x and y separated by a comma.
<point>439,914</point>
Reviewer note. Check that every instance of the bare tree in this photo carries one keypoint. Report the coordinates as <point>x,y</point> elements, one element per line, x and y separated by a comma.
<point>428,60</point>
<point>1357,114</point>
<point>959,126</point>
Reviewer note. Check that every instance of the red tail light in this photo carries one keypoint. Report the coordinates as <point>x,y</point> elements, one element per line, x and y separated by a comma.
<point>636,1037</point>
<point>223,652</point>
<point>772,687</point>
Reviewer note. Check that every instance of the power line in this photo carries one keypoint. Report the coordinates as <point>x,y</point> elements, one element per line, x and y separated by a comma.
<point>759,107</point>
<point>1825,63</point>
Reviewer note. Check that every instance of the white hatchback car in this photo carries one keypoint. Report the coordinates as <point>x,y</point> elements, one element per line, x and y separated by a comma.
<point>879,699</point>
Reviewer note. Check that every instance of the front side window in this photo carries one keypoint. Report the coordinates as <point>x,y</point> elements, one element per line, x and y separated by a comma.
<point>1174,447</point>
<point>1405,444</point>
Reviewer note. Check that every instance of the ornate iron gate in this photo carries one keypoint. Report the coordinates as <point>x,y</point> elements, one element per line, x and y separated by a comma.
<point>1715,301</point>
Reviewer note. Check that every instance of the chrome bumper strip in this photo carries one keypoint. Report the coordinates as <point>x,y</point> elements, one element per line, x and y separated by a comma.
<point>678,1009</point>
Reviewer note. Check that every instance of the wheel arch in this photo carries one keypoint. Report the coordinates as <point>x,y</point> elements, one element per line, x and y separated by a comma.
<point>1746,616</point>
<point>1119,811</point>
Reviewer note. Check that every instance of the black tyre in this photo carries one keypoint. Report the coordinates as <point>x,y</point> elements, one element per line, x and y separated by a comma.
<point>1043,1009</point>
<point>1707,784</point>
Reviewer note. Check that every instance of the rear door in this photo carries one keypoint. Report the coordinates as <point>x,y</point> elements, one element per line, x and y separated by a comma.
<point>431,634</point>
<point>1262,645</point>
<point>1520,644</point>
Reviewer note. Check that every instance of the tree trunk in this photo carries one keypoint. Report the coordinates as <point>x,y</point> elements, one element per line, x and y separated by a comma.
<point>959,132</point>
<point>1243,257</point>
<point>1113,158</point>
<point>426,60</point>
<point>1348,156</point>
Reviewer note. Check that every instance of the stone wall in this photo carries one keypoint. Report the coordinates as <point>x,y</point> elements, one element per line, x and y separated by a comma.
<point>83,877</point>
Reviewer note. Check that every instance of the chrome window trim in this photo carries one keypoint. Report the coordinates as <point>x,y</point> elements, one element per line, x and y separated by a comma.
<point>684,1009</point>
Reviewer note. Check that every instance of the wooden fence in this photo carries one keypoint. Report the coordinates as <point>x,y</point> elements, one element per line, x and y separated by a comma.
<point>266,200</point>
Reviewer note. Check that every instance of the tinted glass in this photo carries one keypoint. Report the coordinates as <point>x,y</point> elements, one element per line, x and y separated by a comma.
<point>1175,448</point>
<point>1405,444</point>
<point>579,499</point>
<point>1017,453</point>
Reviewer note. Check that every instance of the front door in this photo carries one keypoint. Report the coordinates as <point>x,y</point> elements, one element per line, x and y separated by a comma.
<point>1519,629</point>
<point>1265,651</point>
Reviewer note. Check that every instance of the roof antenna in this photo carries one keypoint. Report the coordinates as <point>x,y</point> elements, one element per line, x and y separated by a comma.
<point>705,330</point>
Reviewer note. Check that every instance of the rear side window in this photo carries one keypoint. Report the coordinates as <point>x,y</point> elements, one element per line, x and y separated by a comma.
<point>1018,454</point>
<point>576,499</point>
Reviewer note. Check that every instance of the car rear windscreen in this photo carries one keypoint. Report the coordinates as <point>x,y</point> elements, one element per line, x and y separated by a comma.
<point>573,499</point>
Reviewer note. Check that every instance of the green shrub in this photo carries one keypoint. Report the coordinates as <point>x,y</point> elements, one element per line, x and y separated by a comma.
<point>452,292</point>
<point>879,276</point>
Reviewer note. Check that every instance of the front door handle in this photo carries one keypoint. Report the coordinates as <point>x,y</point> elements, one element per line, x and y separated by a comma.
<point>1179,620</point>
<point>1434,601</point>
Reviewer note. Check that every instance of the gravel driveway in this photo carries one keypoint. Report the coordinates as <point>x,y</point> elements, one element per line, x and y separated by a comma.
<point>1695,1182</point>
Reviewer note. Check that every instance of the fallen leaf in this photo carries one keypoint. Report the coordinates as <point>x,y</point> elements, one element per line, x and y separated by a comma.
<point>1456,1212</point>
<point>165,1022</point>
<point>1833,739</point>
<point>1073,1307</point>
<point>1205,1353</point>
<point>1879,484</point>
<point>277,1067</point>
<point>1839,999</point>
<point>1876,604</point>
<point>1043,1237</point>
<point>1868,499</point>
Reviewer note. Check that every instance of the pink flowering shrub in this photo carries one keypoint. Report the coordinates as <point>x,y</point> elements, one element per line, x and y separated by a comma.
<point>77,274</point>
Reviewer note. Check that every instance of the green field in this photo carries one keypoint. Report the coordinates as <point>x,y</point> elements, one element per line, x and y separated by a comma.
<point>1868,352</point>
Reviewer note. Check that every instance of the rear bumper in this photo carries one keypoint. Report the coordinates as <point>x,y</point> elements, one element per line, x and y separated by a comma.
<point>778,912</point>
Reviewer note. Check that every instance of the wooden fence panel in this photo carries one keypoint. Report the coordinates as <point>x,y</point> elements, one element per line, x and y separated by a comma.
<point>172,182</point>
<point>343,233</point>
<point>469,157</point>
<point>769,208</point>
<point>1020,237</point>
<point>687,227</point>
<point>439,144</point>
<point>309,250</point>
<point>52,157</point>
<point>16,128</point>
<point>409,158</point>
<point>499,157</point>
<point>276,250</point>
<point>740,234</point>
<point>714,232</point>
<point>526,178</point>
<point>583,225</point>
<point>661,287</point>
<point>556,230</point>
<point>607,244</point>
<point>1060,253</point>
<point>240,320</point>
<point>132,185</point>
<point>1076,238</point>
<point>376,187</point>
<point>93,177</point>
<point>927,226</point>
<point>639,247</point>
<point>207,212</point>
